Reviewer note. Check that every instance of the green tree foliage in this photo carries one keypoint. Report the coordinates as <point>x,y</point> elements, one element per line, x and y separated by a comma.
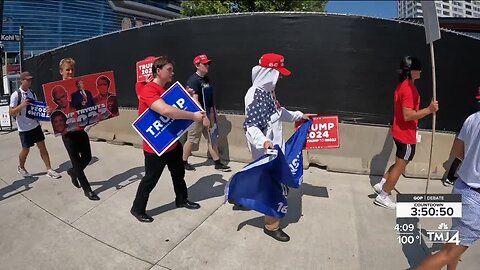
<point>205,7</point>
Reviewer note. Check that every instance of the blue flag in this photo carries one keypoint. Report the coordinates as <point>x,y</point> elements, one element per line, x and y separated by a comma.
<point>261,185</point>
<point>257,185</point>
<point>294,156</point>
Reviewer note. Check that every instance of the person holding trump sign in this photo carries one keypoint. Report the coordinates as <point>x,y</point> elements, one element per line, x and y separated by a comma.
<point>264,117</point>
<point>76,142</point>
<point>150,97</point>
<point>203,94</point>
<point>29,130</point>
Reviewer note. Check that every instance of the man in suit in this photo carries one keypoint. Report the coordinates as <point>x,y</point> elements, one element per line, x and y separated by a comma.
<point>82,98</point>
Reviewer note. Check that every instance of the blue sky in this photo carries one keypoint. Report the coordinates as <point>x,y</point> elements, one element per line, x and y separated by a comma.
<point>383,9</point>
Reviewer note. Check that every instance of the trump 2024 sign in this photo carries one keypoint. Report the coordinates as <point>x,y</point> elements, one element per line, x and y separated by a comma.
<point>161,132</point>
<point>323,133</point>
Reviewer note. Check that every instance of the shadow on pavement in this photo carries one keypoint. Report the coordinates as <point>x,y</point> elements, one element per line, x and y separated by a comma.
<point>67,165</point>
<point>206,163</point>
<point>378,164</point>
<point>11,190</point>
<point>294,206</point>
<point>417,251</point>
<point>132,175</point>
<point>202,190</point>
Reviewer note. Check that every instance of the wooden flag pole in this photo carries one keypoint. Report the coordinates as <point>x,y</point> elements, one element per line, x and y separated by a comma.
<point>432,33</point>
<point>434,118</point>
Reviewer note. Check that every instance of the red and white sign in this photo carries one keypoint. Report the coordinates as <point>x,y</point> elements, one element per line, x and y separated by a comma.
<point>13,69</point>
<point>144,69</point>
<point>81,101</point>
<point>323,133</point>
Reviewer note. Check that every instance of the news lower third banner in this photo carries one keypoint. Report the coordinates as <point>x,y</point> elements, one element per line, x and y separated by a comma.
<point>161,132</point>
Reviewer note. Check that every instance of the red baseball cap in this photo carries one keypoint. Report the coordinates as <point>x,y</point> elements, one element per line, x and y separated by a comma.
<point>275,61</point>
<point>203,59</point>
<point>478,95</point>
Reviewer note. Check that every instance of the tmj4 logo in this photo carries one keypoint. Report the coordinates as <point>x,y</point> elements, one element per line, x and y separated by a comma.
<point>443,235</point>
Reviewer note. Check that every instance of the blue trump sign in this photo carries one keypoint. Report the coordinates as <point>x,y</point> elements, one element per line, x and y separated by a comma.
<point>37,110</point>
<point>161,132</point>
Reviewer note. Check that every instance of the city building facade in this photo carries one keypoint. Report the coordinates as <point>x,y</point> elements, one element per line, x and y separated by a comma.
<point>49,24</point>
<point>445,8</point>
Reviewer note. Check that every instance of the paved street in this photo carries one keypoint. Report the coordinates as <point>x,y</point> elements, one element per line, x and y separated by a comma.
<point>48,224</point>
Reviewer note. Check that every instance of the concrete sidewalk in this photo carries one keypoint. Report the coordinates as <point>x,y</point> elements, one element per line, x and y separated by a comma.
<point>48,224</point>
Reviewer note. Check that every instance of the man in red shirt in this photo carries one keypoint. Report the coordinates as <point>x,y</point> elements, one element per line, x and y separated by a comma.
<point>150,97</point>
<point>407,112</point>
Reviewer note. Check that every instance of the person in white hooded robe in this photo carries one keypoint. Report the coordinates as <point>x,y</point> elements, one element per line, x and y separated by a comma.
<point>264,117</point>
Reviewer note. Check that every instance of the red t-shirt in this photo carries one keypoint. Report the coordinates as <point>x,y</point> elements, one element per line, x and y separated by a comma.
<point>406,95</point>
<point>150,93</point>
<point>138,87</point>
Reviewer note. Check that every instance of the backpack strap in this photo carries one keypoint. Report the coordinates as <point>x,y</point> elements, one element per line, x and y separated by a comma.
<point>19,100</point>
<point>19,97</point>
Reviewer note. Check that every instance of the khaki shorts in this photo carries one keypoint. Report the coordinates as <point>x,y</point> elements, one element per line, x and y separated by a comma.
<point>196,132</point>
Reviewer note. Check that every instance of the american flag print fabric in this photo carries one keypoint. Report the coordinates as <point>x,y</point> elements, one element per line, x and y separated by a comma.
<point>260,110</point>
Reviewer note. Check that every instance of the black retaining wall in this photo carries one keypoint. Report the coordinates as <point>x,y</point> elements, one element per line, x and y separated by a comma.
<point>341,65</point>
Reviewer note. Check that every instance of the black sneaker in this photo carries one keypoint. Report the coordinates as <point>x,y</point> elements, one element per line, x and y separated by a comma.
<point>222,167</point>
<point>448,182</point>
<point>188,166</point>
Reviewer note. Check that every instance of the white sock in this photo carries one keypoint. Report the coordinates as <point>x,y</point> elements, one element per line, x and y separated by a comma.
<point>383,194</point>
<point>383,181</point>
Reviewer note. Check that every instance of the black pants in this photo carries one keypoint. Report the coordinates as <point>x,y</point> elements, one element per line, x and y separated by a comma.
<point>154,166</point>
<point>77,144</point>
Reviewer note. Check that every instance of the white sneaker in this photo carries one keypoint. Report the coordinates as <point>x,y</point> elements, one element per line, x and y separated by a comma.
<point>53,174</point>
<point>23,172</point>
<point>378,187</point>
<point>385,202</point>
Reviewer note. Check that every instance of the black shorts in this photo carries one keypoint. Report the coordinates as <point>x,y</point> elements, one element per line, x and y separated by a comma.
<point>31,137</point>
<point>405,151</point>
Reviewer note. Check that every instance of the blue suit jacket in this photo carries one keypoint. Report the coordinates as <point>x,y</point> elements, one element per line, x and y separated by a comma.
<point>77,99</point>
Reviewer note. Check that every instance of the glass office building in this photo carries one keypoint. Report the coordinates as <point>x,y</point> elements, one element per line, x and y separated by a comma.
<point>49,24</point>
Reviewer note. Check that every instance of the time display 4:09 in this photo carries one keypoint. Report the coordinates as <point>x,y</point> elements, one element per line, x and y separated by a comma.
<point>432,211</point>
